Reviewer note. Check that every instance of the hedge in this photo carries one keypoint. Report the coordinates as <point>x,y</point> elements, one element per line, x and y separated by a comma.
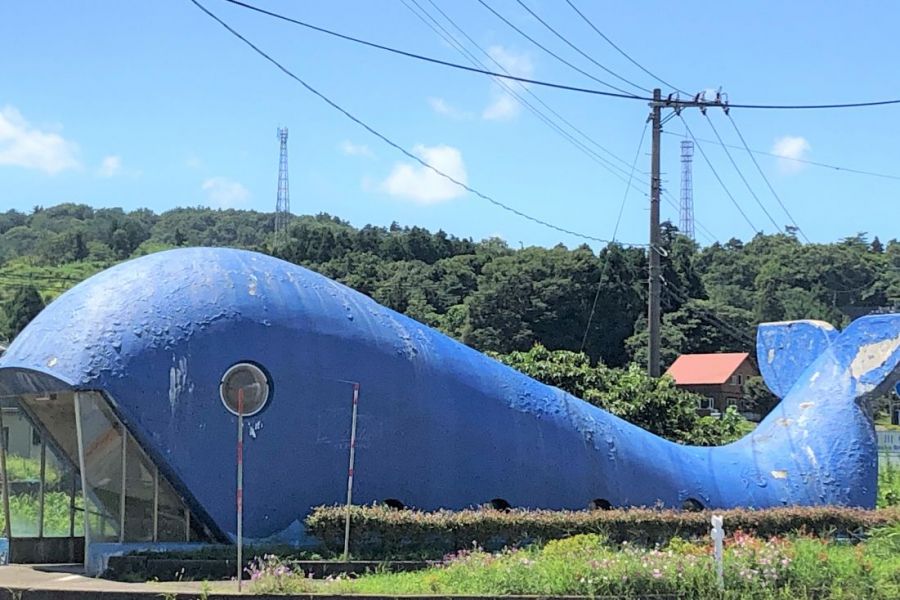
<point>379,532</point>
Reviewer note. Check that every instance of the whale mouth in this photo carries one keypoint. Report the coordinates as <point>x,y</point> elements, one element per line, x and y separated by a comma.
<point>118,493</point>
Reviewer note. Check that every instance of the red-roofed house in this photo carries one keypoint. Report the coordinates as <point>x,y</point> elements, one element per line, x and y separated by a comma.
<point>719,378</point>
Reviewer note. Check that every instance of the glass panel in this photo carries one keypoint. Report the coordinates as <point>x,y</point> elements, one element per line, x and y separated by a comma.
<point>139,474</point>
<point>172,526</point>
<point>102,447</point>
<point>23,446</point>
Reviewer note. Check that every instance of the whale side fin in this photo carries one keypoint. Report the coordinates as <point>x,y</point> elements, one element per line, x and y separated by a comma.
<point>784,350</point>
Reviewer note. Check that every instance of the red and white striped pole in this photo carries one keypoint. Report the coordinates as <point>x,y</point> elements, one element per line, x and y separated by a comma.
<point>240,486</point>
<point>350,473</point>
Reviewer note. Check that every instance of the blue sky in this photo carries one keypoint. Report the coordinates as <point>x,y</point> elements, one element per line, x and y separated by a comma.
<point>151,104</point>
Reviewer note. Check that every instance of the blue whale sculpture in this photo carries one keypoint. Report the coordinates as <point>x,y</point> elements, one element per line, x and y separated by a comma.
<point>440,425</point>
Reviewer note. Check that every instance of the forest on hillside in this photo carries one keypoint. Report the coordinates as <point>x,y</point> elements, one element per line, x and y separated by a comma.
<point>484,293</point>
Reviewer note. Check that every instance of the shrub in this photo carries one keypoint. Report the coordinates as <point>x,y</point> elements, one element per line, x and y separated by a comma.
<point>382,533</point>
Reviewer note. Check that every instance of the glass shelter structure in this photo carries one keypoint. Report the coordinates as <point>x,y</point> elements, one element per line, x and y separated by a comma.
<point>91,467</point>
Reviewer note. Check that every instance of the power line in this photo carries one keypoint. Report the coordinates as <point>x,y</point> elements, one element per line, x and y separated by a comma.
<point>802,160</point>
<point>622,52</point>
<point>766,179</point>
<point>637,154</point>
<point>741,174</point>
<point>437,61</point>
<point>537,98</point>
<point>577,49</point>
<point>391,143</point>
<point>513,26</point>
<point>716,174</point>
<point>448,37</point>
<point>560,86</point>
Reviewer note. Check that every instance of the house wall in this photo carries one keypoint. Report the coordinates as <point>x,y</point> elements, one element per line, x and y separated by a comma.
<point>726,394</point>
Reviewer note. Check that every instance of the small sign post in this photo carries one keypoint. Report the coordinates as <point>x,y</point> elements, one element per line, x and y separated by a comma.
<point>718,536</point>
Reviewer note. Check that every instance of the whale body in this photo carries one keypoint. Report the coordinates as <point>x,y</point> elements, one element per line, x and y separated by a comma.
<point>439,424</point>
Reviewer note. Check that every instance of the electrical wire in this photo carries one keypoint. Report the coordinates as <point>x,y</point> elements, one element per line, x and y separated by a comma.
<point>741,174</point>
<point>579,50</point>
<point>802,160</point>
<point>716,174</point>
<point>537,82</point>
<point>451,40</point>
<point>620,51</point>
<point>766,179</point>
<point>528,91</point>
<point>637,154</point>
<point>702,229</point>
<point>390,142</point>
<point>437,61</point>
<point>572,66</point>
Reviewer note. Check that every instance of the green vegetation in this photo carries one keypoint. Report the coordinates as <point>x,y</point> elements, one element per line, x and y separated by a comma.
<point>20,468</point>
<point>590,565</point>
<point>379,532</point>
<point>888,484</point>
<point>654,404</point>
<point>24,510</point>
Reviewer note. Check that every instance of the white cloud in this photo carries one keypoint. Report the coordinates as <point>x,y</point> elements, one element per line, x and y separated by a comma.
<point>351,149</point>
<point>22,145</point>
<point>422,185</point>
<point>222,192</point>
<point>110,166</point>
<point>442,107</point>
<point>791,148</point>
<point>504,105</point>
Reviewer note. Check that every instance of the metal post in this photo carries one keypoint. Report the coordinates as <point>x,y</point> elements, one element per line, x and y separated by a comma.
<point>653,309</point>
<point>8,526</point>
<point>240,486</point>
<point>41,487</point>
<point>123,488</point>
<point>350,472</point>
<point>155,503</point>
<point>84,484</point>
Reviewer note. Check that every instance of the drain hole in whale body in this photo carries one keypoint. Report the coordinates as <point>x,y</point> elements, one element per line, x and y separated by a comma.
<point>499,504</point>
<point>394,504</point>
<point>692,505</point>
<point>601,504</point>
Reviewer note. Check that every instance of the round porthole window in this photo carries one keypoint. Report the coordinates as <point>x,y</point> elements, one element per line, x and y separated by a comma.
<point>247,383</point>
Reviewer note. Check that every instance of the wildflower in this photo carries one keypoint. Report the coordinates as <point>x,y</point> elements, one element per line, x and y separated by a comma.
<point>656,574</point>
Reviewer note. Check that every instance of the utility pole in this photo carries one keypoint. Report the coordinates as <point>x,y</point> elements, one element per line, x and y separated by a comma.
<point>653,310</point>
<point>656,105</point>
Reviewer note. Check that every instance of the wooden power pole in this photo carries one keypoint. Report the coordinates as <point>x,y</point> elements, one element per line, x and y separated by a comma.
<point>653,309</point>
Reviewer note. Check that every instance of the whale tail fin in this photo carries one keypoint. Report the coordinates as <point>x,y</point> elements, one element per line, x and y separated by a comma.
<point>865,355</point>
<point>785,350</point>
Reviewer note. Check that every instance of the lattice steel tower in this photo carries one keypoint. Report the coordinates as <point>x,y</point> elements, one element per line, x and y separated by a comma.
<point>283,203</point>
<point>686,212</point>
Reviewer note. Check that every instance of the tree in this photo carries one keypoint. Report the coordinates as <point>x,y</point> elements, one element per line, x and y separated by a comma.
<point>654,404</point>
<point>24,306</point>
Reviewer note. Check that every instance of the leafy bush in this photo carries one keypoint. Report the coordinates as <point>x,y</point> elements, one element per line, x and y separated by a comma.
<point>383,533</point>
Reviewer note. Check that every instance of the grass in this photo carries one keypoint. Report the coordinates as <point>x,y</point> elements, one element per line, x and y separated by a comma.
<point>777,568</point>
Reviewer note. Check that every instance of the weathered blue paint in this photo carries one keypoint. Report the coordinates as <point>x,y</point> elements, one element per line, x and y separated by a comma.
<point>440,425</point>
<point>785,350</point>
